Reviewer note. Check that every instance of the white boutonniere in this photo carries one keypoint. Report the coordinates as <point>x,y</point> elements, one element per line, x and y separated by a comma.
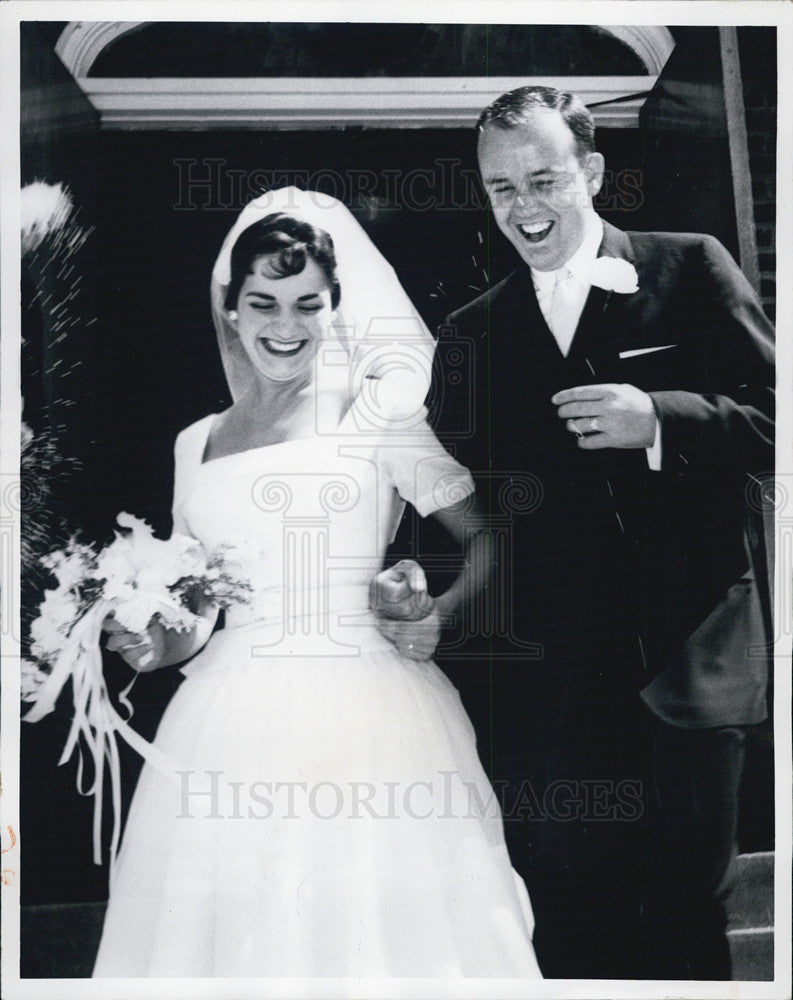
<point>613,274</point>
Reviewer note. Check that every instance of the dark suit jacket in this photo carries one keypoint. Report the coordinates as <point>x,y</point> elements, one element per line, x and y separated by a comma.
<point>653,582</point>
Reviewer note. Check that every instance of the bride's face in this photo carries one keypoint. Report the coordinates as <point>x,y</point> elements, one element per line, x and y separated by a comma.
<point>281,321</point>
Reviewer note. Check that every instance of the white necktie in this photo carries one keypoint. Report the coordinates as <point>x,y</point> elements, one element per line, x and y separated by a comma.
<point>564,314</point>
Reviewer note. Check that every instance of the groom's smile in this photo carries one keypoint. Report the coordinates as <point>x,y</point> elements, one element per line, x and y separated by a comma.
<point>540,186</point>
<point>536,232</point>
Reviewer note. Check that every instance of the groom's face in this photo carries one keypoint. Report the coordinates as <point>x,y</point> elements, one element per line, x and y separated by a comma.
<point>539,188</point>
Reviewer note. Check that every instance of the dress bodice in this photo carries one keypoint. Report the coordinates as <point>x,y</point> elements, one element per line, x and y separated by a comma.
<point>309,520</point>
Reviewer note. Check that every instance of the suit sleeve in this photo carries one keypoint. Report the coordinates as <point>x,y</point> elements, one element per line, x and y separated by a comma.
<point>731,423</point>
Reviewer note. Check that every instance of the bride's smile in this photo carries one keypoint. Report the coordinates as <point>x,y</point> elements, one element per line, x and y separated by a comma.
<point>288,349</point>
<point>282,319</point>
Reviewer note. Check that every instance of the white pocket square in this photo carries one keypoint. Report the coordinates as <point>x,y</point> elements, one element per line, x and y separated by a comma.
<point>645,350</point>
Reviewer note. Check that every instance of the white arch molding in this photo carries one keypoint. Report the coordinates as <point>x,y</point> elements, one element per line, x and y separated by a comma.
<point>205,103</point>
<point>81,42</point>
<point>652,44</point>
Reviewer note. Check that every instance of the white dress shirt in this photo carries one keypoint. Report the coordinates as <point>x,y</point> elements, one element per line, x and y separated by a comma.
<point>580,266</point>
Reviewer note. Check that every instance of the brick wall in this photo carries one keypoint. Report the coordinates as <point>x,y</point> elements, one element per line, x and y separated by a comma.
<point>757,47</point>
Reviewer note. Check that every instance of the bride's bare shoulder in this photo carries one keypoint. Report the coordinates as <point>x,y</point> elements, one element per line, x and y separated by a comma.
<point>198,433</point>
<point>232,430</point>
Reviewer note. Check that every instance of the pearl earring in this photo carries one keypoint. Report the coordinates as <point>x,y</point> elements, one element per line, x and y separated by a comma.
<point>233,315</point>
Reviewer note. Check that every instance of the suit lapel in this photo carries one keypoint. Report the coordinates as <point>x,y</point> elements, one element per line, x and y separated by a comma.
<point>597,338</point>
<point>532,337</point>
<point>594,353</point>
<point>591,343</point>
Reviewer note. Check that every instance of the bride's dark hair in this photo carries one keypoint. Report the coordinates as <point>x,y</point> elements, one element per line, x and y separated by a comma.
<point>287,243</point>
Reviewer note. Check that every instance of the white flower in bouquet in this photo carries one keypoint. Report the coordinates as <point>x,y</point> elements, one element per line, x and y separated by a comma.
<point>235,560</point>
<point>129,553</point>
<point>136,611</point>
<point>49,633</point>
<point>63,606</point>
<point>137,578</point>
<point>141,575</point>
<point>71,565</point>
<point>116,571</point>
<point>180,557</point>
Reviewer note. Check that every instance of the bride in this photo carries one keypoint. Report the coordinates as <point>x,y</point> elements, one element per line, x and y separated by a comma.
<point>327,814</point>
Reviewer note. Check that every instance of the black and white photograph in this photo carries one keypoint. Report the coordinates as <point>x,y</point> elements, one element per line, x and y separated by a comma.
<point>396,499</point>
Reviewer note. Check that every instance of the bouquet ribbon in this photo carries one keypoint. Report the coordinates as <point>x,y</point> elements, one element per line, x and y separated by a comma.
<point>96,720</point>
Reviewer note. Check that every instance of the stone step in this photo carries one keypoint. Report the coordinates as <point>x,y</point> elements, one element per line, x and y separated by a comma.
<point>751,903</point>
<point>752,952</point>
<point>60,940</point>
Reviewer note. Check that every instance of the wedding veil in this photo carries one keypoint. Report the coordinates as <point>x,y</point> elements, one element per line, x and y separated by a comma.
<point>379,342</point>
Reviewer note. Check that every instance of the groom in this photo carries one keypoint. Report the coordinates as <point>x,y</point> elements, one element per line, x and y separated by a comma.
<point>624,382</point>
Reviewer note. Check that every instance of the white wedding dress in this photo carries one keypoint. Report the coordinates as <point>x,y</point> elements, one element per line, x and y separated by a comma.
<point>327,814</point>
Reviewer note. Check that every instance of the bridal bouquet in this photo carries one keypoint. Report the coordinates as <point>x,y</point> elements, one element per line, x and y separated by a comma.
<point>137,578</point>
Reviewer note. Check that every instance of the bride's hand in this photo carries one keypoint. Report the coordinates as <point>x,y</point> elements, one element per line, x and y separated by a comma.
<point>417,640</point>
<point>144,651</point>
<point>406,613</point>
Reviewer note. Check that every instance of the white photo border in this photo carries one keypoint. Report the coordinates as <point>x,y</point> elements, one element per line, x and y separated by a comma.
<point>701,12</point>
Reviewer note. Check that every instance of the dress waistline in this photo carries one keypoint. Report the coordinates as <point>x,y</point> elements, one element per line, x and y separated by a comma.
<point>309,607</point>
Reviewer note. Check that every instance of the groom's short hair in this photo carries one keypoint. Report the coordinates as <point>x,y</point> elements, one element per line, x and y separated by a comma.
<point>514,109</point>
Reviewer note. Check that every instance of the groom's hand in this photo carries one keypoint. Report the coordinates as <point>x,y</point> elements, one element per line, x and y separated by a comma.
<point>608,416</point>
<point>400,592</point>
<point>405,611</point>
